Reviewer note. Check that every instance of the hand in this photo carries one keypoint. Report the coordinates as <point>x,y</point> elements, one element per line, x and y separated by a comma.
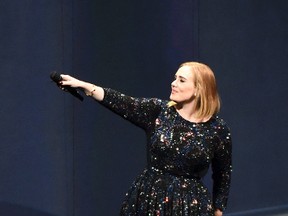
<point>90,89</point>
<point>218,212</point>
<point>70,81</point>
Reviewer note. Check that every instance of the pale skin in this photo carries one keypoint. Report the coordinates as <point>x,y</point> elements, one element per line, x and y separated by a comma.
<point>183,91</point>
<point>96,92</point>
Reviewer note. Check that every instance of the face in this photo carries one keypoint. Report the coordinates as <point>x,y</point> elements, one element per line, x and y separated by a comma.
<point>183,88</point>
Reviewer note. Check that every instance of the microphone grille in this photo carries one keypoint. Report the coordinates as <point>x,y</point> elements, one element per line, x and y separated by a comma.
<point>56,77</point>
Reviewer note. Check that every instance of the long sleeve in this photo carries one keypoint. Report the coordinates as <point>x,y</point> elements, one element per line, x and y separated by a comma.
<point>222,168</point>
<point>140,111</point>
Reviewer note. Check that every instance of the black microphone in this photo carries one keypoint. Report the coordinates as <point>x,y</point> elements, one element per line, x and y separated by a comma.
<point>56,77</point>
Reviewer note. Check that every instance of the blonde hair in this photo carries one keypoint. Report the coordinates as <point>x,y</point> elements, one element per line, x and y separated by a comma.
<point>207,97</point>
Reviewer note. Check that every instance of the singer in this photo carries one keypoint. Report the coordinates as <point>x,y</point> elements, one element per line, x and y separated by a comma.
<point>185,136</point>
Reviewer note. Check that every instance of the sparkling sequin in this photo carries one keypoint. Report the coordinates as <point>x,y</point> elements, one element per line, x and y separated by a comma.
<point>179,155</point>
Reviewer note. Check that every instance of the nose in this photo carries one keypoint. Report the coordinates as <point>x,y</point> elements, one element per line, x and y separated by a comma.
<point>173,84</point>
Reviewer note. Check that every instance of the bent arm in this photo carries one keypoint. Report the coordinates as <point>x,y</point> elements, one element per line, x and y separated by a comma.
<point>90,89</point>
<point>222,168</point>
<point>218,212</point>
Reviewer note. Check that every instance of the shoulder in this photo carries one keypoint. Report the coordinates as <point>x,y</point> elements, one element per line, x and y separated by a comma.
<point>220,125</point>
<point>220,121</point>
<point>156,104</point>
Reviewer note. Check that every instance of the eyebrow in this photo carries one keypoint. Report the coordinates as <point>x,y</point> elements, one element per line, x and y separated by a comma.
<point>181,77</point>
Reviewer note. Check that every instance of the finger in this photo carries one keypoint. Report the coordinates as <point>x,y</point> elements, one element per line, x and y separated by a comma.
<point>61,87</point>
<point>64,83</point>
<point>66,77</point>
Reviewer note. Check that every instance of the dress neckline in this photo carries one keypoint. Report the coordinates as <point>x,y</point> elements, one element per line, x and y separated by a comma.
<point>192,122</point>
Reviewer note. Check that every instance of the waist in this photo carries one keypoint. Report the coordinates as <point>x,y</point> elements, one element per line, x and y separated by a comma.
<point>178,174</point>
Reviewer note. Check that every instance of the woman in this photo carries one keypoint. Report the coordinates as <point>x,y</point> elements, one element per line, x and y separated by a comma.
<point>185,136</point>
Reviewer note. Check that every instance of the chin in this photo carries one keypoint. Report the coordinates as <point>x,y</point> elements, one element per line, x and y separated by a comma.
<point>172,99</point>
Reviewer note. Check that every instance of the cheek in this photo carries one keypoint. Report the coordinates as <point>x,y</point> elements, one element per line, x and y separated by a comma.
<point>189,93</point>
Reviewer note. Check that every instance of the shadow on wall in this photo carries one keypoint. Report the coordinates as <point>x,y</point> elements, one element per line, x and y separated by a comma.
<point>9,209</point>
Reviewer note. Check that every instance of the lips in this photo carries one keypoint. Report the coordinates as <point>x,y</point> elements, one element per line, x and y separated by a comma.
<point>173,91</point>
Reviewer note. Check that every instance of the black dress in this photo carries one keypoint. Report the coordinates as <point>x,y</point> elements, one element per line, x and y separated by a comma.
<point>179,155</point>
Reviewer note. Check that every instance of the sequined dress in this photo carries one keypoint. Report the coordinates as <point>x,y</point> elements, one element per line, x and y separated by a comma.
<point>179,155</point>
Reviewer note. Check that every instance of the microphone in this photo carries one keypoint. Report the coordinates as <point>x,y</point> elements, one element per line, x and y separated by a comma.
<point>56,77</point>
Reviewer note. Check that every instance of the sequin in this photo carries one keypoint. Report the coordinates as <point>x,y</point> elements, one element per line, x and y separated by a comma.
<point>179,155</point>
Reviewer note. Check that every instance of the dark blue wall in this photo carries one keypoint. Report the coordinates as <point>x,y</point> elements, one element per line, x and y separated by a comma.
<point>246,44</point>
<point>36,162</point>
<point>63,157</point>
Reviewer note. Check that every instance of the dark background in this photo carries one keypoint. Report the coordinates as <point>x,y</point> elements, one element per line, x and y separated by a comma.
<point>63,157</point>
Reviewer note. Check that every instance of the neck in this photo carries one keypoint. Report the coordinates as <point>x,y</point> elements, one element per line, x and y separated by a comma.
<point>188,112</point>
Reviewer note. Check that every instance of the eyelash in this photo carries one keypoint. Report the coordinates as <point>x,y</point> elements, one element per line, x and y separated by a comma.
<point>181,80</point>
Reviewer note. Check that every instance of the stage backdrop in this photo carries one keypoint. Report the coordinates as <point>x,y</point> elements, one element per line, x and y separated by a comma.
<point>63,157</point>
<point>246,42</point>
<point>36,150</point>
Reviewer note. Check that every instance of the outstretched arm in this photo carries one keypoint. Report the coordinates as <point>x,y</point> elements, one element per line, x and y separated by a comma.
<point>140,111</point>
<point>90,89</point>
